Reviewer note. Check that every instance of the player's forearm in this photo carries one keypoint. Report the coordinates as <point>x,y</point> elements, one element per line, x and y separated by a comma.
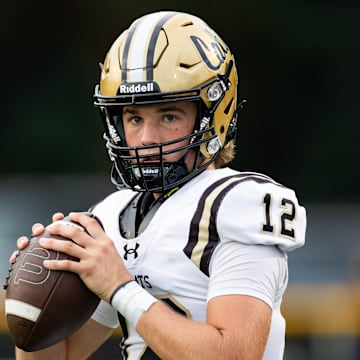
<point>172,336</point>
<point>56,352</point>
<point>79,345</point>
<point>60,351</point>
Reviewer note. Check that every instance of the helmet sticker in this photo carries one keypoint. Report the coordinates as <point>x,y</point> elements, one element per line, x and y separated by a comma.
<point>216,90</point>
<point>112,132</point>
<point>205,51</point>
<point>213,145</point>
<point>138,88</point>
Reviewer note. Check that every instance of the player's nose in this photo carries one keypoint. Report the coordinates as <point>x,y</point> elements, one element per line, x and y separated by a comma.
<point>150,133</point>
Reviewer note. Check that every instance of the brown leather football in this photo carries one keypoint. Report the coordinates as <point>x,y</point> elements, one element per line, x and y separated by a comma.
<point>43,307</point>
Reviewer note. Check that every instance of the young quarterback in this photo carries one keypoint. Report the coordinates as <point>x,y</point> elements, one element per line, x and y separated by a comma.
<point>191,261</point>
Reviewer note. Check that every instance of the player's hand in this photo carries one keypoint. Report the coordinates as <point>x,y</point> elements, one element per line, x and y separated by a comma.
<point>37,229</point>
<point>100,266</point>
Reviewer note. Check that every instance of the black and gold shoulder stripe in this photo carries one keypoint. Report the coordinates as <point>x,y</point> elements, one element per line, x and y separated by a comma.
<point>203,235</point>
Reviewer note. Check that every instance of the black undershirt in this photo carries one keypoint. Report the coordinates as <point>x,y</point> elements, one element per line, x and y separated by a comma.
<point>136,216</point>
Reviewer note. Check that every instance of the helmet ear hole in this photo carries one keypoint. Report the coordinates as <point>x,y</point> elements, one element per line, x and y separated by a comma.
<point>222,129</point>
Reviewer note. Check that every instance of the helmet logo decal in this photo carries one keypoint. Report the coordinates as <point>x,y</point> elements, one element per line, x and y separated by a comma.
<point>204,122</point>
<point>205,51</point>
<point>213,145</point>
<point>112,132</point>
<point>216,90</point>
<point>138,88</point>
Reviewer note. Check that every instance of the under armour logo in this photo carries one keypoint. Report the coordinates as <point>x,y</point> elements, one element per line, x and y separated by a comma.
<point>131,251</point>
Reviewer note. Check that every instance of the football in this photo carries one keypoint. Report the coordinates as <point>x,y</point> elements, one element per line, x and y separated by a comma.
<point>43,307</point>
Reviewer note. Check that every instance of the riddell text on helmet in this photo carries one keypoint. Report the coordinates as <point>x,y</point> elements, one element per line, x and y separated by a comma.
<point>137,88</point>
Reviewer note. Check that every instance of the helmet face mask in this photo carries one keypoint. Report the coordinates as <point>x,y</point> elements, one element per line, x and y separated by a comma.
<point>143,168</point>
<point>183,60</point>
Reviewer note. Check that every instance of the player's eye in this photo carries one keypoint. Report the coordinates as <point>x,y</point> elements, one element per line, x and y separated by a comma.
<point>169,117</point>
<point>134,120</point>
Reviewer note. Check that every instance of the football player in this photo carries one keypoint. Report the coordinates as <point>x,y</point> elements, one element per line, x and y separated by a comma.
<point>192,261</point>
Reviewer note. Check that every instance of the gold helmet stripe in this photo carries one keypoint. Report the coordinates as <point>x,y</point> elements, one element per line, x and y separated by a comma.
<point>140,46</point>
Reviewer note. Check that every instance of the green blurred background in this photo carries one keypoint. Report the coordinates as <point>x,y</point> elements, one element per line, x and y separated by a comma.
<point>298,64</point>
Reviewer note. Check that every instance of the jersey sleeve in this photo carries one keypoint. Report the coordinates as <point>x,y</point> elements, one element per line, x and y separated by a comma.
<point>106,315</point>
<point>263,213</point>
<point>253,270</point>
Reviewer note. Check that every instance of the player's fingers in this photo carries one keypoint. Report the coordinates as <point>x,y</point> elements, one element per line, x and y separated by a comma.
<point>37,229</point>
<point>68,230</point>
<point>13,256</point>
<point>63,246</point>
<point>64,265</point>
<point>89,222</point>
<point>57,216</point>
<point>22,242</point>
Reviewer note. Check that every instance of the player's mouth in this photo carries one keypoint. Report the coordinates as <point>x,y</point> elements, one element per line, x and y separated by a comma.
<point>150,159</point>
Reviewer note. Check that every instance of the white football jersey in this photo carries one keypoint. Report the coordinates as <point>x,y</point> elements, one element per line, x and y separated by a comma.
<point>207,240</point>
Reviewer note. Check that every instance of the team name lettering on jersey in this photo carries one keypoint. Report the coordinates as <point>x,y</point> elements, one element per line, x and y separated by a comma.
<point>143,281</point>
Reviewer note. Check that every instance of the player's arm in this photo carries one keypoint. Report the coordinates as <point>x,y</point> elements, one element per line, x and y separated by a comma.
<point>80,345</point>
<point>237,327</point>
<point>240,333</point>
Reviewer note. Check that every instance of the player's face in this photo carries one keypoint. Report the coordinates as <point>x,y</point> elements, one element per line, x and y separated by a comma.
<point>159,123</point>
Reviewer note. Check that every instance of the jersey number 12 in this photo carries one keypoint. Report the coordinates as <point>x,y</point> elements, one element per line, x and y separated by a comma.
<point>286,219</point>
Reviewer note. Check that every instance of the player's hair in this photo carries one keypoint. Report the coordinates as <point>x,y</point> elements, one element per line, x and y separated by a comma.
<point>226,155</point>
